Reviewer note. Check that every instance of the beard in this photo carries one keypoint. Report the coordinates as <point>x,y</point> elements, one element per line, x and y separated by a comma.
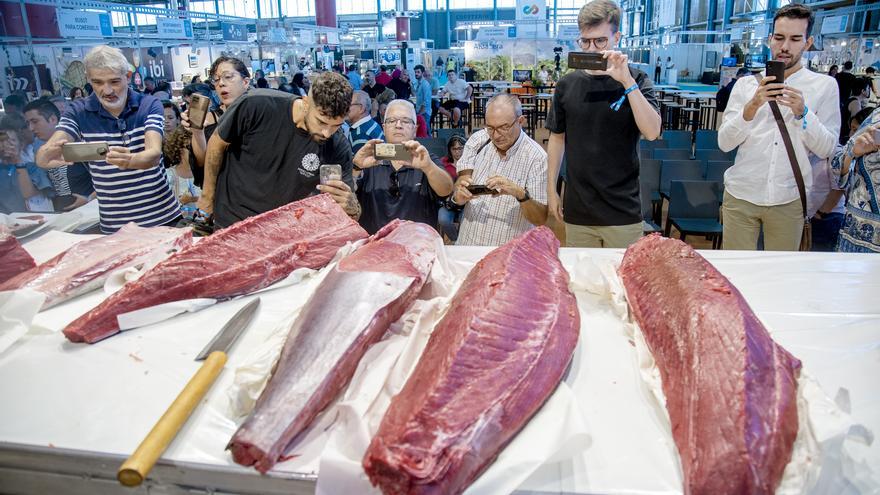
<point>795,59</point>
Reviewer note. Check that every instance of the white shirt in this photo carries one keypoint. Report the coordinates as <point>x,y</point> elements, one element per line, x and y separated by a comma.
<point>457,90</point>
<point>762,173</point>
<point>492,221</point>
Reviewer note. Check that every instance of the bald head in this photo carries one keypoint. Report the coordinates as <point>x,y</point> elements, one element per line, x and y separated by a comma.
<point>506,101</point>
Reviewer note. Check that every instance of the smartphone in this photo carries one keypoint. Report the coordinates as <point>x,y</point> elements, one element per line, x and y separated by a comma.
<point>198,110</point>
<point>477,189</point>
<point>587,60</point>
<point>62,202</point>
<point>776,68</point>
<point>386,151</point>
<point>330,172</point>
<point>85,152</point>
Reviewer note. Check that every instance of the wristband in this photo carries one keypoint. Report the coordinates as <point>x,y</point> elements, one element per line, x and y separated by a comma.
<point>804,116</point>
<point>19,166</point>
<point>617,104</point>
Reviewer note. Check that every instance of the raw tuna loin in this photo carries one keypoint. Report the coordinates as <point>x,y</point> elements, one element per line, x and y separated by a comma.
<point>491,362</point>
<point>350,311</point>
<point>731,391</point>
<point>87,264</point>
<point>13,258</point>
<point>240,259</point>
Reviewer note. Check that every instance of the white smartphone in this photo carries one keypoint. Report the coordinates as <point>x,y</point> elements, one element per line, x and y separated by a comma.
<point>85,152</point>
<point>330,172</point>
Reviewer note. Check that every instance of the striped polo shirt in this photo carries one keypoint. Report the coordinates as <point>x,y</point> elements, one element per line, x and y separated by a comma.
<point>362,131</point>
<point>140,196</point>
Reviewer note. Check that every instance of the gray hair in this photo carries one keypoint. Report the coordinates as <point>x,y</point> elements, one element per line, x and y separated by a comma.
<point>406,103</point>
<point>506,99</point>
<point>361,96</point>
<point>107,57</point>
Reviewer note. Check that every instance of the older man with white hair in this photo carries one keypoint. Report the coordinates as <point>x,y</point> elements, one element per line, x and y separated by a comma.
<point>409,189</point>
<point>512,166</point>
<point>130,181</point>
<point>363,126</point>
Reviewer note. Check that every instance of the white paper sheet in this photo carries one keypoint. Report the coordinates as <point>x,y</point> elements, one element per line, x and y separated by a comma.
<point>17,311</point>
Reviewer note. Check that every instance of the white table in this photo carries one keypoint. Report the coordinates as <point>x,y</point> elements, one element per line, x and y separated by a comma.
<point>71,413</point>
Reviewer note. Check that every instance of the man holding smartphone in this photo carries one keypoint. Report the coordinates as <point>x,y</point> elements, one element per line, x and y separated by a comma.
<point>760,190</point>
<point>596,119</point>
<point>129,180</point>
<point>512,166</point>
<point>268,149</point>
<point>409,184</point>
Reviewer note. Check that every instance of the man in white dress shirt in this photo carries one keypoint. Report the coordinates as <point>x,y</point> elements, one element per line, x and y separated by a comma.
<point>505,159</point>
<point>760,188</point>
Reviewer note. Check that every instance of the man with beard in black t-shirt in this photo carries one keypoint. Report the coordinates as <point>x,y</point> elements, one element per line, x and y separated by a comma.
<point>596,119</point>
<point>268,149</point>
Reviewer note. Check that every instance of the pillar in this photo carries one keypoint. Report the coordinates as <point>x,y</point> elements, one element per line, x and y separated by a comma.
<point>403,33</point>
<point>325,13</point>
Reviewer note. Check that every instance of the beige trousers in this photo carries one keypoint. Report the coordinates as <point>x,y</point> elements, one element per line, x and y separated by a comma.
<point>783,224</point>
<point>613,236</point>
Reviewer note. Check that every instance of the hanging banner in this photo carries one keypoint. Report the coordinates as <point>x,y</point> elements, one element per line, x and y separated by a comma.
<point>234,32</point>
<point>23,79</point>
<point>73,24</point>
<point>306,37</point>
<point>174,28</point>
<point>150,62</point>
<point>535,11</point>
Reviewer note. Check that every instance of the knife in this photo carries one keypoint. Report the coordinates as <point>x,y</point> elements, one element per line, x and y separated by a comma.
<point>134,470</point>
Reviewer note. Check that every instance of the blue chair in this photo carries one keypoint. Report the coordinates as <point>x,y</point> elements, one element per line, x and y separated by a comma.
<point>677,139</point>
<point>648,225</point>
<point>715,173</point>
<point>649,176</point>
<point>678,170</point>
<point>693,209</point>
<point>714,155</point>
<point>672,154</point>
<point>435,146</point>
<point>707,139</point>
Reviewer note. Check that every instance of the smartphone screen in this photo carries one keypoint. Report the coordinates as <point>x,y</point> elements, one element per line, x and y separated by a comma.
<point>587,60</point>
<point>479,189</point>
<point>330,172</point>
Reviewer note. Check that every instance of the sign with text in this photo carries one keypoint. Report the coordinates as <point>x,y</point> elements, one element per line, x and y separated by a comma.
<point>307,36</point>
<point>834,24</point>
<point>277,35</point>
<point>73,24</point>
<point>23,79</point>
<point>568,32</point>
<point>174,28</point>
<point>234,32</point>
<point>491,33</point>
<point>534,11</point>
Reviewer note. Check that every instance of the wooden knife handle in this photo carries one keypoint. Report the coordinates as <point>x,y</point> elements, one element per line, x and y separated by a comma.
<point>135,468</point>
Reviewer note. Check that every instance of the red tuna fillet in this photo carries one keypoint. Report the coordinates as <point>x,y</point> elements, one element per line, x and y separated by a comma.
<point>87,264</point>
<point>13,258</point>
<point>240,259</point>
<point>730,389</point>
<point>490,364</point>
<point>350,311</point>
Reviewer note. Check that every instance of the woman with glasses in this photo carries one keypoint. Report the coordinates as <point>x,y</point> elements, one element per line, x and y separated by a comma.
<point>447,218</point>
<point>231,80</point>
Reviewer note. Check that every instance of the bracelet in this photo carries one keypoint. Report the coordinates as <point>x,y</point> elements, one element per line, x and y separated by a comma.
<point>617,104</point>
<point>804,116</point>
<point>20,166</point>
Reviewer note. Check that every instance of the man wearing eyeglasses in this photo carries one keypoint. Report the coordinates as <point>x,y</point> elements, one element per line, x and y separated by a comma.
<point>130,182</point>
<point>268,149</point>
<point>596,119</point>
<point>363,126</point>
<point>505,159</point>
<point>405,189</point>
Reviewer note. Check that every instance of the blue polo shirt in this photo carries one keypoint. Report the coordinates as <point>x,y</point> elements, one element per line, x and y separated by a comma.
<point>11,198</point>
<point>140,196</point>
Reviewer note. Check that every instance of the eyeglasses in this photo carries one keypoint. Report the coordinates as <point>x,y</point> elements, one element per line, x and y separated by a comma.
<point>503,129</point>
<point>226,77</point>
<point>120,125</point>
<point>404,122</point>
<point>599,43</point>
<point>394,188</point>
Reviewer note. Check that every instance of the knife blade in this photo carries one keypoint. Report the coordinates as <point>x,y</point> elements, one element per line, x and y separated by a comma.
<point>135,469</point>
<point>231,330</point>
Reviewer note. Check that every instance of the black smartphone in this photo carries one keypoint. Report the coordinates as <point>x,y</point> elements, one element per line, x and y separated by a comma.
<point>62,202</point>
<point>777,69</point>
<point>477,189</point>
<point>587,60</point>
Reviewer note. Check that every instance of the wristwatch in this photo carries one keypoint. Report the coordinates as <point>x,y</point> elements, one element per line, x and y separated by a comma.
<point>525,197</point>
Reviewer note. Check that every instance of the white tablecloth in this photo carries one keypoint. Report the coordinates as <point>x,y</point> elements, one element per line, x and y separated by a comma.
<point>105,397</point>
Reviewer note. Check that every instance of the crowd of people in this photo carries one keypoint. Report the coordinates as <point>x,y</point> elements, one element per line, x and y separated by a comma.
<point>262,147</point>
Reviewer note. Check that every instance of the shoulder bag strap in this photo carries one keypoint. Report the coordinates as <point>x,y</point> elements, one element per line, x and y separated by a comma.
<point>789,148</point>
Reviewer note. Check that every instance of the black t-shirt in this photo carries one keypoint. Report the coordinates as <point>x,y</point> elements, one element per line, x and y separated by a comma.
<point>374,90</point>
<point>416,201</point>
<point>270,162</point>
<point>601,148</point>
<point>400,88</point>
